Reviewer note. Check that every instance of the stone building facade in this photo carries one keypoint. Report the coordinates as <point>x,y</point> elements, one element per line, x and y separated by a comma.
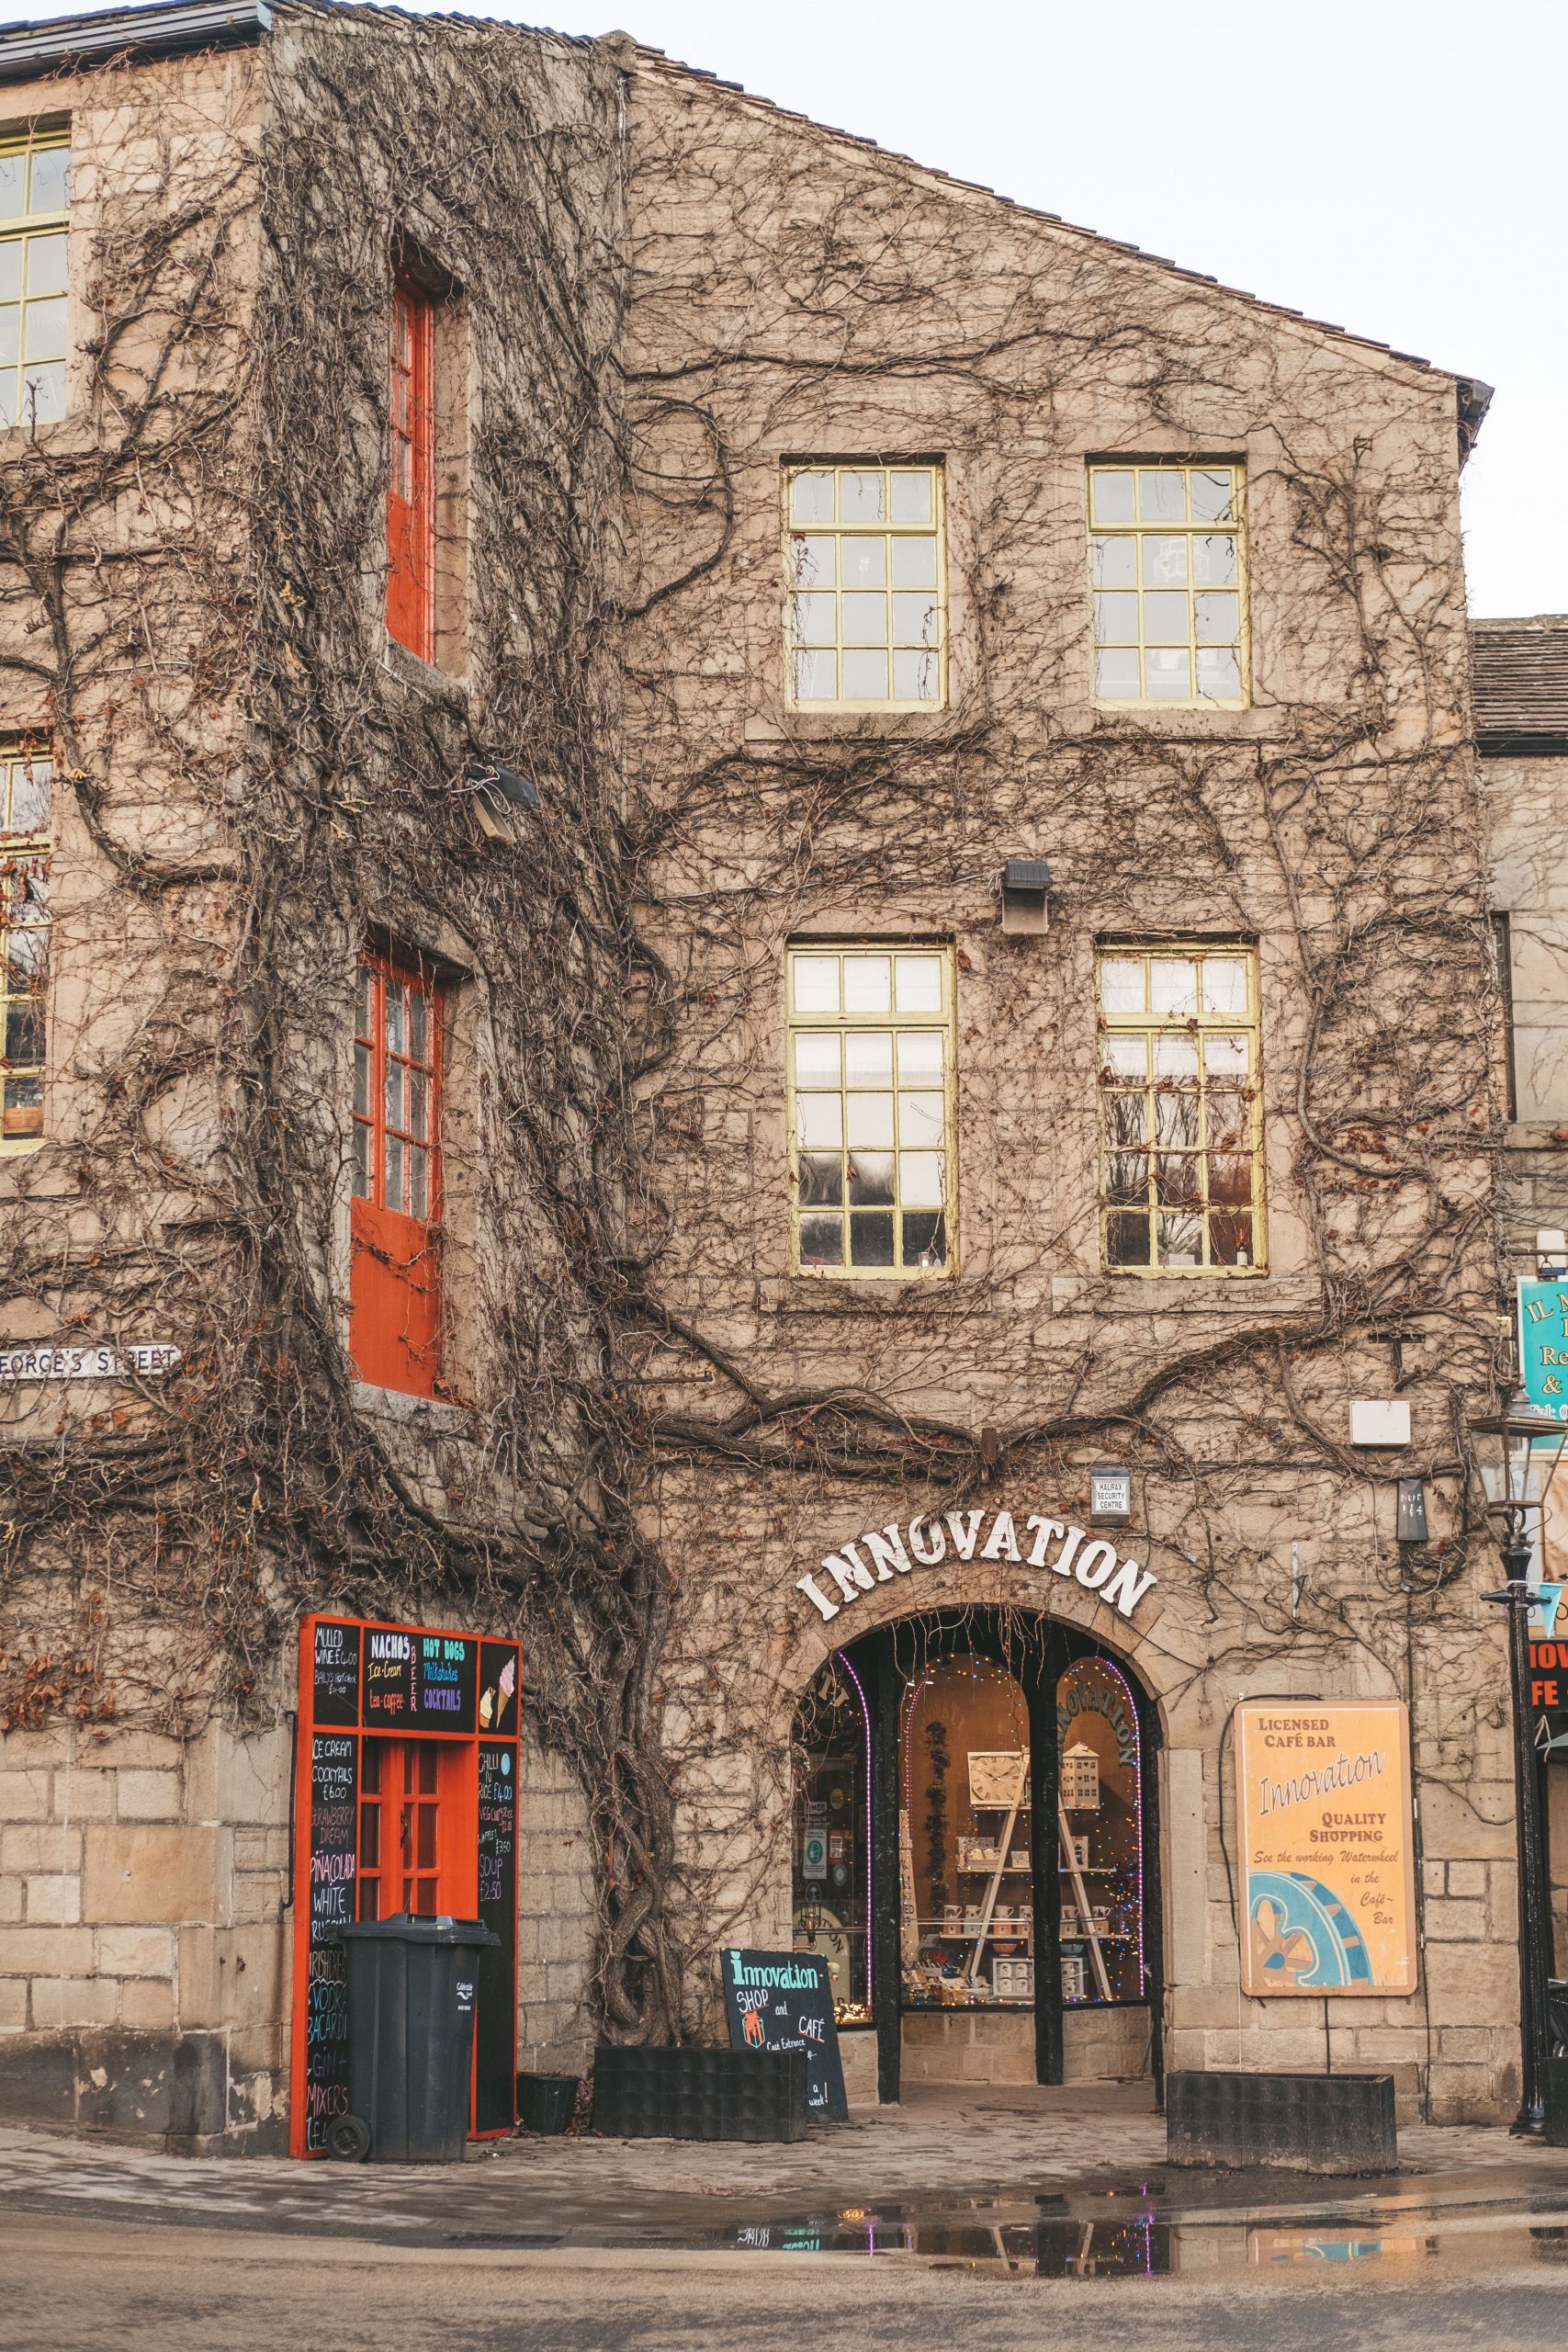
<point>1521,722</point>
<point>916,765</point>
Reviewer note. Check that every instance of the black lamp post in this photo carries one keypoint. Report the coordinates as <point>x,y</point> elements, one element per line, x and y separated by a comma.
<point>1517,1426</point>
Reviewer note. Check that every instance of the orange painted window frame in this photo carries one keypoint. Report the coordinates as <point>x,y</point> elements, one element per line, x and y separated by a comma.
<point>411,487</point>
<point>394,1290</point>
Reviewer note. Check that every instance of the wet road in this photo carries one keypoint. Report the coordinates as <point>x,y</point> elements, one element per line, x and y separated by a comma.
<point>83,2284</point>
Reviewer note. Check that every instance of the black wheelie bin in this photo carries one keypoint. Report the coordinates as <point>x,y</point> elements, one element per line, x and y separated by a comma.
<point>412,1984</point>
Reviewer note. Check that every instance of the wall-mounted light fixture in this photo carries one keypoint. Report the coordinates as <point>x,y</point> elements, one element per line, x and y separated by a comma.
<point>1026,885</point>
<point>499,793</point>
<point>1550,1255</point>
<point>1109,1494</point>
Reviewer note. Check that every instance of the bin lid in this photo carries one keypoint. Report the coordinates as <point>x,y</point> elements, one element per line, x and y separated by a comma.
<point>403,1928</point>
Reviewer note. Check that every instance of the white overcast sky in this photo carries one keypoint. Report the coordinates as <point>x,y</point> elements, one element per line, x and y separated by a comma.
<point>1396,166</point>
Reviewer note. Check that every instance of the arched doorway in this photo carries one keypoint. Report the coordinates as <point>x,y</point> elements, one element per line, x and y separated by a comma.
<point>976,1850</point>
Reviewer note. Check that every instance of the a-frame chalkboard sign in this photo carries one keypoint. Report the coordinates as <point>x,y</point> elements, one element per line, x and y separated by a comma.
<point>783,2000</point>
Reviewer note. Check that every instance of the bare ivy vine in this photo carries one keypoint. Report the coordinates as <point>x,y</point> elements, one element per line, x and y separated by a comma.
<point>249,785</point>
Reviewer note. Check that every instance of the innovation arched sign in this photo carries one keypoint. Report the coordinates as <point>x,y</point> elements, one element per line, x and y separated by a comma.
<point>884,1553</point>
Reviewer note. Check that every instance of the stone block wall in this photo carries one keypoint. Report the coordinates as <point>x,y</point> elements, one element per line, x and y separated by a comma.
<point>1452,2044</point>
<point>143,1936</point>
<point>558,1920</point>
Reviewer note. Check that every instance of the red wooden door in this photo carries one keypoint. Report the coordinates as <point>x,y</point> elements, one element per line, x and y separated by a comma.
<point>411,490</point>
<point>394,1322</point>
<point>417,1840</point>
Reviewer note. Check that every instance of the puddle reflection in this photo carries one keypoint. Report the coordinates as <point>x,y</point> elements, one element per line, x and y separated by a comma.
<point>1043,2238</point>
<point>1051,2246</point>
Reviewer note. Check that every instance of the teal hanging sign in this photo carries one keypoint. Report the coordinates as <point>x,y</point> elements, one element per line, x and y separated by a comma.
<point>1543,1349</point>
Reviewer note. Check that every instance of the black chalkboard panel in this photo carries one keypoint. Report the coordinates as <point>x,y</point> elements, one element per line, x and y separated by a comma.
<point>336,1674</point>
<point>334,1795</point>
<point>783,2000</point>
<point>495,2019</point>
<point>419,1681</point>
<point>446,1682</point>
<point>498,1674</point>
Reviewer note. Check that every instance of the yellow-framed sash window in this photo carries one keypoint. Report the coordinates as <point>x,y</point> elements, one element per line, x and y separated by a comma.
<point>872,1110</point>
<point>35,170</point>
<point>1167,573</point>
<point>25,776</point>
<point>864,588</point>
<point>1180,1125</point>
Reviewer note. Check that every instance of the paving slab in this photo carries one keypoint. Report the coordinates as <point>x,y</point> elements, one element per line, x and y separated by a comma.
<point>949,2157</point>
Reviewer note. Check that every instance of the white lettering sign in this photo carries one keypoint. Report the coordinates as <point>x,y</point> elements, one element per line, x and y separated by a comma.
<point>884,1553</point>
<point>87,1364</point>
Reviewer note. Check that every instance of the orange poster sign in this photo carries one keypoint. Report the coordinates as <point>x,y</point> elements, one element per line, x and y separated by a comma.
<point>1328,1849</point>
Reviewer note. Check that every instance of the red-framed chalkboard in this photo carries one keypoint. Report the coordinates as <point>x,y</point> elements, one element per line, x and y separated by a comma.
<point>362,1681</point>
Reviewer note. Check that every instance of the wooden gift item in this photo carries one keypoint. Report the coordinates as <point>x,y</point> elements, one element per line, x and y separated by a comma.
<point>1081,1780</point>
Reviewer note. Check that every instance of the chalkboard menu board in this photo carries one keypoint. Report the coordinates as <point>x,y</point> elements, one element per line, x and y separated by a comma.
<point>783,2000</point>
<point>416,1680</point>
<point>336,1673</point>
<point>334,1791</point>
<point>377,1703</point>
<point>497,1688</point>
<point>494,2034</point>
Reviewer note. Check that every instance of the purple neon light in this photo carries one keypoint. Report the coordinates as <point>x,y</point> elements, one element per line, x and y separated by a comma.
<point>1112,1667</point>
<point>865,1727</point>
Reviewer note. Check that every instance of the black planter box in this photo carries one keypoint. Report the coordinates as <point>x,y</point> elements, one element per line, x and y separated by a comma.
<point>699,2094</point>
<point>1327,2123</point>
<point>1556,2089</point>
<point>546,2102</point>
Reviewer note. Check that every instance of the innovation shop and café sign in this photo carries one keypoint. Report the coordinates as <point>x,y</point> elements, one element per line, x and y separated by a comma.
<point>883,1553</point>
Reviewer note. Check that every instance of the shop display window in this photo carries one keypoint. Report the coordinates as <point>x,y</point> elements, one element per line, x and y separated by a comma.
<point>1100,1836</point>
<point>831,1869</point>
<point>968,1886</point>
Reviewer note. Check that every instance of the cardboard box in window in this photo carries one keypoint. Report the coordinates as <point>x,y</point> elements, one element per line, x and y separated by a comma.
<point>995,1775</point>
<point>1072,1977</point>
<point>1013,1980</point>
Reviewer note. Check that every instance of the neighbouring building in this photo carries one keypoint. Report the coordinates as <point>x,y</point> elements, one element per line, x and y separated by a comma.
<point>753,1099</point>
<point>1521,683</point>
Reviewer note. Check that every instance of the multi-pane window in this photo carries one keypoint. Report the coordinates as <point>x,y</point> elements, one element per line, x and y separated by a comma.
<point>410,493</point>
<point>871,1108</point>
<point>1167,563</point>
<point>34,173</point>
<point>863,573</point>
<point>395,1042</point>
<point>394,1289</point>
<point>24,940</point>
<point>1181,1146</point>
<point>399,1828</point>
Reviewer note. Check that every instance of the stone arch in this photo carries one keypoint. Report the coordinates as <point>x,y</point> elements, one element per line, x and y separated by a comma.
<point>1164,1669</point>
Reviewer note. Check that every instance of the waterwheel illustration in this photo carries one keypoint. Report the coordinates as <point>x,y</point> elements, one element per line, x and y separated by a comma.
<point>1302,1933</point>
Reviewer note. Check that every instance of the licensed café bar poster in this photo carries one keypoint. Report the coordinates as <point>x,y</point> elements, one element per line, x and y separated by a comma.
<point>1328,1849</point>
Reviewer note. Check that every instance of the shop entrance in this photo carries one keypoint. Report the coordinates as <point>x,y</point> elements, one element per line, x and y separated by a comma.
<point>975,1850</point>
<point>405,1800</point>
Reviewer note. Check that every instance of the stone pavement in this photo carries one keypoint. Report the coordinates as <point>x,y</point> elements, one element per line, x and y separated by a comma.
<point>1085,2143</point>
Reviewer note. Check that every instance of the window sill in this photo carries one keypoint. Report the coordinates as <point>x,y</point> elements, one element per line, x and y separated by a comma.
<point>835,1295</point>
<point>859,723</point>
<point>426,1416</point>
<point>1175,721</point>
<point>21,1146</point>
<point>423,677</point>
